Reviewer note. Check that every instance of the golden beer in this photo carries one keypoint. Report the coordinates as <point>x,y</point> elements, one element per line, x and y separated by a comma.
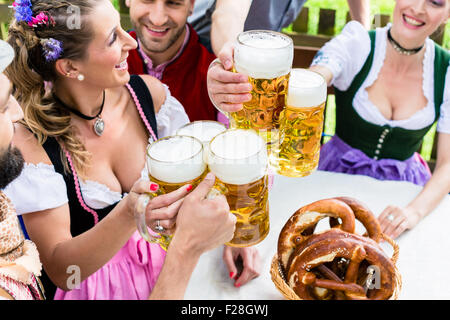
<point>172,162</point>
<point>296,153</point>
<point>238,158</point>
<point>266,57</point>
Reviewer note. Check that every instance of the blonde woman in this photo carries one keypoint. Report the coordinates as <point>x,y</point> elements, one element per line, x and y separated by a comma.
<point>85,130</point>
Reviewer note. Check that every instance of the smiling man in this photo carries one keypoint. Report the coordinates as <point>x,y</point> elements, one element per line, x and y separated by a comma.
<point>169,49</point>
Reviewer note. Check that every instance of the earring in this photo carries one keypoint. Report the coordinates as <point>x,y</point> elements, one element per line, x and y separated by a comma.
<point>80,77</point>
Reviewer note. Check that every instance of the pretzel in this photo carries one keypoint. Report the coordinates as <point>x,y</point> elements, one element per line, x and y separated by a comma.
<point>327,234</point>
<point>364,215</point>
<point>310,263</point>
<point>303,222</point>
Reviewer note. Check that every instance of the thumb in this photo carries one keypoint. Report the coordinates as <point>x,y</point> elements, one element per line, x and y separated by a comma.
<point>226,55</point>
<point>203,188</point>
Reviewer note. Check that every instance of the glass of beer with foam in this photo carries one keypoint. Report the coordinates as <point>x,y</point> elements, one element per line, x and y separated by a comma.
<point>172,162</point>
<point>203,130</point>
<point>266,58</point>
<point>238,159</point>
<point>296,153</point>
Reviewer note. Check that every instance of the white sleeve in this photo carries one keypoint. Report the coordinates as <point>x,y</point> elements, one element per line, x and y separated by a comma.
<point>345,54</point>
<point>171,116</point>
<point>38,187</point>
<point>443,124</point>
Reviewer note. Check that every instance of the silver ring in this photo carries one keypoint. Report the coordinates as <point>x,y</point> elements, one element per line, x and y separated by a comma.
<point>158,227</point>
<point>390,217</point>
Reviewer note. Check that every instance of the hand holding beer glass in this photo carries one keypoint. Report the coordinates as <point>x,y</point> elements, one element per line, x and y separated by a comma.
<point>266,58</point>
<point>238,159</point>
<point>172,162</point>
<point>296,154</point>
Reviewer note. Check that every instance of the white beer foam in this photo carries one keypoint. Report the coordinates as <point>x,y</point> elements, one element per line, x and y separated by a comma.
<point>202,130</point>
<point>238,156</point>
<point>263,55</point>
<point>306,89</point>
<point>176,160</point>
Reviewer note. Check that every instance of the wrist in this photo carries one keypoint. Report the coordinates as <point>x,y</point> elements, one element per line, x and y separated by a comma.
<point>184,250</point>
<point>416,212</point>
<point>125,214</point>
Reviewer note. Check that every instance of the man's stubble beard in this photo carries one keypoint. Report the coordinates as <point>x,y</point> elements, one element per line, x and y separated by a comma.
<point>11,165</point>
<point>149,47</point>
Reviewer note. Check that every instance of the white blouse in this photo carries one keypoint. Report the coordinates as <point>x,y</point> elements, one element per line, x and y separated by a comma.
<point>40,187</point>
<point>346,54</point>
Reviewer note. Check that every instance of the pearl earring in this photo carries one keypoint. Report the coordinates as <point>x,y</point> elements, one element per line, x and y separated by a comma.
<point>80,77</point>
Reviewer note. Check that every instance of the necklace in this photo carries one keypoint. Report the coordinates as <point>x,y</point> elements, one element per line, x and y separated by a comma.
<point>399,48</point>
<point>99,125</point>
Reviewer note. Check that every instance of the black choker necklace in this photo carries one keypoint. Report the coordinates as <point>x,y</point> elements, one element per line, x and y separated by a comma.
<point>99,125</point>
<point>399,48</point>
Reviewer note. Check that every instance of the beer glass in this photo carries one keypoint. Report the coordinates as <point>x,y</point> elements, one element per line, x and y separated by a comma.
<point>203,130</point>
<point>238,159</point>
<point>171,162</point>
<point>266,57</point>
<point>296,153</point>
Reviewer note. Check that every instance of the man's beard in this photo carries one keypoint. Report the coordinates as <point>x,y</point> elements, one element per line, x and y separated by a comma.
<point>11,165</point>
<point>149,47</point>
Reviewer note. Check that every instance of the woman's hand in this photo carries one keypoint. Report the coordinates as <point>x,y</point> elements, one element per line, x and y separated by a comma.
<point>162,209</point>
<point>395,220</point>
<point>227,90</point>
<point>251,262</point>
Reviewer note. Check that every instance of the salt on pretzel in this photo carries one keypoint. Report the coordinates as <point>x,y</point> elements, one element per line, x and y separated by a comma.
<point>364,215</point>
<point>302,276</point>
<point>302,223</point>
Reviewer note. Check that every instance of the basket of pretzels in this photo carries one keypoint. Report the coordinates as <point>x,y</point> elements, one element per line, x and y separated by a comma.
<point>336,263</point>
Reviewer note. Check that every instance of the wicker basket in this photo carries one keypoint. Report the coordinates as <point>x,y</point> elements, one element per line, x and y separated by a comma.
<point>288,293</point>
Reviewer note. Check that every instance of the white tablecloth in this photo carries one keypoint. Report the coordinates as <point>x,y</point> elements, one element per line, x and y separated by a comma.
<point>424,260</point>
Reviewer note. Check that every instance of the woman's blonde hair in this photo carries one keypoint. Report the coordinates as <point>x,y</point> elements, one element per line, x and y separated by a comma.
<point>30,72</point>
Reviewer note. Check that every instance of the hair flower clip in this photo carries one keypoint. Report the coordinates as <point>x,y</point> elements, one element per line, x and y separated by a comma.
<point>23,10</point>
<point>43,18</point>
<point>52,49</point>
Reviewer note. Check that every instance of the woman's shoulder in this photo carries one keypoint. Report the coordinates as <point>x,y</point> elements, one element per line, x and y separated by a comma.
<point>156,89</point>
<point>28,144</point>
<point>355,30</point>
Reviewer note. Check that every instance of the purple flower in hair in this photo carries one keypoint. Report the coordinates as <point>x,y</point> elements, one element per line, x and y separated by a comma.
<point>51,48</point>
<point>23,10</point>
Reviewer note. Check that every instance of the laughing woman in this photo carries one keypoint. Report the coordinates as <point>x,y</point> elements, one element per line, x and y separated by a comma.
<point>391,86</point>
<point>86,127</point>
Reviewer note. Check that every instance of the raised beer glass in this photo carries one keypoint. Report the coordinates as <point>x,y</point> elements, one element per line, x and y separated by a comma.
<point>296,153</point>
<point>266,58</point>
<point>203,130</point>
<point>238,159</point>
<point>172,162</point>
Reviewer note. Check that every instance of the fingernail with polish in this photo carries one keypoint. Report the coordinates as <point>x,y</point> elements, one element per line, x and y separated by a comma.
<point>231,275</point>
<point>154,187</point>
<point>237,285</point>
<point>189,187</point>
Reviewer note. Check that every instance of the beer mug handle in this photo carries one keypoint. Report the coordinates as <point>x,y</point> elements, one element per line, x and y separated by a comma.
<point>139,217</point>
<point>226,114</point>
